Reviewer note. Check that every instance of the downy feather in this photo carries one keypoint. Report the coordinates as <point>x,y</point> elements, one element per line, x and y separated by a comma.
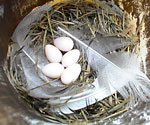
<point>120,70</point>
<point>133,82</point>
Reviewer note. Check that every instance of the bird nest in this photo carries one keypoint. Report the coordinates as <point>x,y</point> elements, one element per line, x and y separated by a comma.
<point>94,19</point>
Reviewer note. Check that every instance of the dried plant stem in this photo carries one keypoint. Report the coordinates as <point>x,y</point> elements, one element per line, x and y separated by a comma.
<point>43,84</point>
<point>115,114</point>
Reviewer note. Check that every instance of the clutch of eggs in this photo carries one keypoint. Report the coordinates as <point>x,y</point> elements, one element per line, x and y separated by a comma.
<point>62,66</point>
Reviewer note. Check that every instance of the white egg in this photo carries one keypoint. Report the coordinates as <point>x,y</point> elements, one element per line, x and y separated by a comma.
<point>53,70</point>
<point>64,43</point>
<point>71,74</point>
<point>53,54</point>
<point>70,57</point>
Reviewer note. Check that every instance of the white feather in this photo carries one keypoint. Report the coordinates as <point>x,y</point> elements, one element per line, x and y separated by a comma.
<point>29,57</point>
<point>122,71</point>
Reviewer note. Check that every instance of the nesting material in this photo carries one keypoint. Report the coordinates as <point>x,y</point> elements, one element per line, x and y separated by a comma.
<point>91,23</point>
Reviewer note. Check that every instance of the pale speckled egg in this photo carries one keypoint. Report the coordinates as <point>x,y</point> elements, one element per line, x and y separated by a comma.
<point>64,43</point>
<point>53,70</point>
<point>70,57</point>
<point>53,54</point>
<point>71,73</point>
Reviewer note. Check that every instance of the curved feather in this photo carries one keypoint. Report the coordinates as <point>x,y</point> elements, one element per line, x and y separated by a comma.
<point>29,58</point>
<point>122,71</point>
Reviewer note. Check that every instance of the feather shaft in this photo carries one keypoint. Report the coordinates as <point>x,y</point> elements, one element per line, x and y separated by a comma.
<point>126,78</point>
<point>86,46</point>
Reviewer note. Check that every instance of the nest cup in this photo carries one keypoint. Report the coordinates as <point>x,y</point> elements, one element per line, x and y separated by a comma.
<point>43,31</point>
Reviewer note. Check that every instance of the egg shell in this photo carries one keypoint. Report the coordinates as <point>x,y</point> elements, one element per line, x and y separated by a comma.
<point>53,54</point>
<point>70,57</point>
<point>64,43</point>
<point>71,73</point>
<point>53,70</point>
